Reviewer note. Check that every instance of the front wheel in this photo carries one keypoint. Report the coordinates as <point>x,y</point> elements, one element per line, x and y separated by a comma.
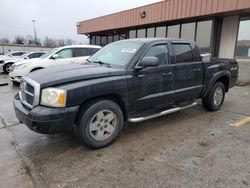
<point>216,97</point>
<point>100,124</point>
<point>6,68</point>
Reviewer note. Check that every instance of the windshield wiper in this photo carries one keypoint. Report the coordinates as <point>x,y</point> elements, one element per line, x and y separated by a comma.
<point>101,63</point>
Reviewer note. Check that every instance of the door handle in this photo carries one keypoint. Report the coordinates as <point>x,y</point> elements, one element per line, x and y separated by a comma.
<point>197,70</point>
<point>167,74</point>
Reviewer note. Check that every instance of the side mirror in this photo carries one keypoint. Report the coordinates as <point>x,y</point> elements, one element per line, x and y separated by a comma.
<point>149,62</point>
<point>26,58</point>
<point>55,56</point>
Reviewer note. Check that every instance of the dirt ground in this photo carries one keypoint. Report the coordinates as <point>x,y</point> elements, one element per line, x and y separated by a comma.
<point>191,148</point>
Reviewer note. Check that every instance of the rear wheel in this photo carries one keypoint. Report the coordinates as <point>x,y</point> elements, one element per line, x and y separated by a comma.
<point>100,124</point>
<point>6,68</point>
<point>216,97</point>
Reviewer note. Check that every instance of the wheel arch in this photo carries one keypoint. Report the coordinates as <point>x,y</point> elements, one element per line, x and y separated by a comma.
<point>36,68</point>
<point>223,77</point>
<point>113,97</point>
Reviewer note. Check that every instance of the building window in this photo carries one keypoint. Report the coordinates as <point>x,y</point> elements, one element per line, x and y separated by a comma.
<point>188,31</point>
<point>141,33</point>
<point>203,36</point>
<point>132,34</point>
<point>243,43</point>
<point>116,38</point>
<point>151,32</point>
<point>123,36</point>
<point>104,40</point>
<point>97,40</point>
<point>174,31</point>
<point>92,40</point>
<point>110,39</point>
<point>161,31</point>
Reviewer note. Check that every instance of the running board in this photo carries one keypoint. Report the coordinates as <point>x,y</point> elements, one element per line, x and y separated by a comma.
<point>162,113</point>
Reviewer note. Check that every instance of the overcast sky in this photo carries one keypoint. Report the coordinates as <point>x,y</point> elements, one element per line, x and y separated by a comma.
<point>58,18</point>
<point>55,18</point>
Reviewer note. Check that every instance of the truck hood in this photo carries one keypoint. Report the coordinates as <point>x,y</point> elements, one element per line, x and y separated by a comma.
<point>71,73</point>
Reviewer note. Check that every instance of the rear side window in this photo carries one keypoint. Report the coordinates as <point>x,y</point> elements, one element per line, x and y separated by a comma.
<point>159,51</point>
<point>79,52</point>
<point>17,53</point>
<point>92,51</point>
<point>183,53</point>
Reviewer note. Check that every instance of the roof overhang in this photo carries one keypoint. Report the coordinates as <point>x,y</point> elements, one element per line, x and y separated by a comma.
<point>164,11</point>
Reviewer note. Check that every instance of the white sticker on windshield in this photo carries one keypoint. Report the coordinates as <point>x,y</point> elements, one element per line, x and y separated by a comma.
<point>128,50</point>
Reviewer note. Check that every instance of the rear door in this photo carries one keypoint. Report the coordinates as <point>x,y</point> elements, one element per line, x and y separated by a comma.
<point>188,72</point>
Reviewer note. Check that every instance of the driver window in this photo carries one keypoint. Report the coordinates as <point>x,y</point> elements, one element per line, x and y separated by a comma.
<point>66,53</point>
<point>159,51</point>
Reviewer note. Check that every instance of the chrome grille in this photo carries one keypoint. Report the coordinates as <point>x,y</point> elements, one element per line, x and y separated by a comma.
<point>29,93</point>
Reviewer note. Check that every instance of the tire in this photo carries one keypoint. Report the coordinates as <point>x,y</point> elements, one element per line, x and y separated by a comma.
<point>100,124</point>
<point>6,68</point>
<point>215,98</point>
<point>14,83</point>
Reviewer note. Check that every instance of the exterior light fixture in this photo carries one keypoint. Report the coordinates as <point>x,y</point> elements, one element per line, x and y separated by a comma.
<point>143,14</point>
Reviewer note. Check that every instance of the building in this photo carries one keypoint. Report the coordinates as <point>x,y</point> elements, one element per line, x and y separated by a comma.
<point>213,24</point>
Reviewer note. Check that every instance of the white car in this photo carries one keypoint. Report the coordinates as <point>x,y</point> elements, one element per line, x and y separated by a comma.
<point>56,57</point>
<point>6,65</point>
<point>11,55</point>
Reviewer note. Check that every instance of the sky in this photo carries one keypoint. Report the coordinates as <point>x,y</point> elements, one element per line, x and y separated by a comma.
<point>56,18</point>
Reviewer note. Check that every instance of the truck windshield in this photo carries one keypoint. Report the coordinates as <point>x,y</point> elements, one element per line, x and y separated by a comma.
<point>117,53</point>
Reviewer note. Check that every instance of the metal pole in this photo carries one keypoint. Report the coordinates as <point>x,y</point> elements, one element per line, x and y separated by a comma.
<point>34,28</point>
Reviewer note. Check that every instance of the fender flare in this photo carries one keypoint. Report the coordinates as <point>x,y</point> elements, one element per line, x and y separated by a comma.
<point>214,79</point>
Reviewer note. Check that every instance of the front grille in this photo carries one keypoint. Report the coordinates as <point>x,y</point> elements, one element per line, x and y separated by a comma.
<point>29,88</point>
<point>29,93</point>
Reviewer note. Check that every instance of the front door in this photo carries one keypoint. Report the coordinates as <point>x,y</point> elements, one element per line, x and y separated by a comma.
<point>152,87</point>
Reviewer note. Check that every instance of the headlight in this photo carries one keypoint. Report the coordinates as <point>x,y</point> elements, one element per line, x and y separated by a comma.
<point>22,66</point>
<point>53,97</point>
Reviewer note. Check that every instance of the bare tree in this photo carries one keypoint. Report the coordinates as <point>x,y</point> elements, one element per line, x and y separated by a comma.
<point>5,40</point>
<point>19,40</point>
<point>60,42</point>
<point>69,42</point>
<point>29,40</point>
<point>49,42</point>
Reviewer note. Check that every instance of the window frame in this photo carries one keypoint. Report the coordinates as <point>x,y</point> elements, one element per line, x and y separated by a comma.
<point>136,65</point>
<point>65,49</point>
<point>183,43</point>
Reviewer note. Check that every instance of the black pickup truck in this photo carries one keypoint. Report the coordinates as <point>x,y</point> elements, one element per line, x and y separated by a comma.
<point>131,80</point>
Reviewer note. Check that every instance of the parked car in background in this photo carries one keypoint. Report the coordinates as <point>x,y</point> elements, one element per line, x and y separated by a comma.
<point>11,55</point>
<point>6,65</point>
<point>56,57</point>
<point>130,80</point>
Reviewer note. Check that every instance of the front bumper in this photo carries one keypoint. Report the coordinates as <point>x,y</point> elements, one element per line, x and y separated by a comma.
<point>15,77</point>
<point>46,120</point>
